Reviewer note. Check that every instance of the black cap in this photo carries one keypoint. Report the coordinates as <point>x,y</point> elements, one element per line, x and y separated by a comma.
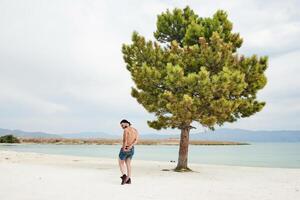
<point>125,121</point>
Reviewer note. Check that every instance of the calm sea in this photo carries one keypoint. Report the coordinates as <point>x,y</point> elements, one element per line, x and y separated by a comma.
<point>285,155</point>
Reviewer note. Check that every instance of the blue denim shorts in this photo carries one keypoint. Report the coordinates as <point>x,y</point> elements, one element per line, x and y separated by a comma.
<point>123,155</point>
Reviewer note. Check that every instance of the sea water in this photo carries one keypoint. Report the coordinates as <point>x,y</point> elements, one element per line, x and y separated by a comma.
<point>283,155</point>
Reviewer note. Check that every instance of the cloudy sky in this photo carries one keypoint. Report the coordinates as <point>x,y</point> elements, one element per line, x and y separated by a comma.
<point>61,67</point>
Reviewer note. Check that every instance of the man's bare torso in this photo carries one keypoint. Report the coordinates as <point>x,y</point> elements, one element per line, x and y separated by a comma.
<point>130,136</point>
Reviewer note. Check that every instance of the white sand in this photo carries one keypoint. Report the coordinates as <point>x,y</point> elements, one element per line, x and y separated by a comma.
<point>34,176</point>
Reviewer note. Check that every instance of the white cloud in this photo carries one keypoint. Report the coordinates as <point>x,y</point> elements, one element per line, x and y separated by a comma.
<point>281,95</point>
<point>14,98</point>
<point>276,39</point>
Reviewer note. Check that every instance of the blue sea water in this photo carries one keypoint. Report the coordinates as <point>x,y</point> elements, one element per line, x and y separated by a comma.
<point>283,155</point>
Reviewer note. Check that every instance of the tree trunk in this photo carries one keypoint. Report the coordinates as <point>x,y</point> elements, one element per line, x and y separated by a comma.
<point>183,150</point>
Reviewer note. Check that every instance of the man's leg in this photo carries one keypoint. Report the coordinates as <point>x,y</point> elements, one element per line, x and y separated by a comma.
<point>122,166</point>
<point>128,165</point>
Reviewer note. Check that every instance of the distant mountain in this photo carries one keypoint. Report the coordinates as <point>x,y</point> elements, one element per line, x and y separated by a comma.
<point>90,135</point>
<point>235,135</point>
<point>241,135</point>
<point>27,134</point>
<point>159,136</point>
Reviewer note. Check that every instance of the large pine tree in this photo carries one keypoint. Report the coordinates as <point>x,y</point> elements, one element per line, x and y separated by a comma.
<point>193,73</point>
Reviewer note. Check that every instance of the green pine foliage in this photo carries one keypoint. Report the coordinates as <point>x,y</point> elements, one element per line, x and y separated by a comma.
<point>192,72</point>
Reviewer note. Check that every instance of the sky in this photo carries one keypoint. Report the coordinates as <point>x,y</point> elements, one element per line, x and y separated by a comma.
<point>62,71</point>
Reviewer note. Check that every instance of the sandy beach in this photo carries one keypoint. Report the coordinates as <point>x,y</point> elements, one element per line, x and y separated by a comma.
<point>35,176</point>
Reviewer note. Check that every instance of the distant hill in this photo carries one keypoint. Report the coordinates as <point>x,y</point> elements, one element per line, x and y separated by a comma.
<point>90,135</point>
<point>83,135</point>
<point>27,134</point>
<point>238,135</point>
<point>241,135</point>
<point>235,135</point>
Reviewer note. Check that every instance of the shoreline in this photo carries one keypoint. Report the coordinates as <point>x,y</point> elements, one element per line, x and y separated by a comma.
<point>102,141</point>
<point>108,159</point>
<point>254,155</point>
<point>44,158</point>
<point>43,176</point>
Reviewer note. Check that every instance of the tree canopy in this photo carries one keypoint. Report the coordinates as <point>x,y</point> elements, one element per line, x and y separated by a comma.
<point>192,72</point>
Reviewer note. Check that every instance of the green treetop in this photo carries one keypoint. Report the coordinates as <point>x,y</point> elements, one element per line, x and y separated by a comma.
<point>193,72</point>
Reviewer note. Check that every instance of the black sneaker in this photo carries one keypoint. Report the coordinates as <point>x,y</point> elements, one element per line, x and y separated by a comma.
<point>128,181</point>
<point>123,179</point>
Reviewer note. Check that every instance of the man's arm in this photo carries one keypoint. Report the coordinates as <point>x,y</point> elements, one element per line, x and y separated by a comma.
<point>124,139</point>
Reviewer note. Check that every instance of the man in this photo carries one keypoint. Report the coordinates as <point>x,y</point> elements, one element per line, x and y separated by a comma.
<point>130,138</point>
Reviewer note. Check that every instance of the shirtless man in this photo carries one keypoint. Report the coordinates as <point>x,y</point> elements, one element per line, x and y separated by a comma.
<point>130,138</point>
